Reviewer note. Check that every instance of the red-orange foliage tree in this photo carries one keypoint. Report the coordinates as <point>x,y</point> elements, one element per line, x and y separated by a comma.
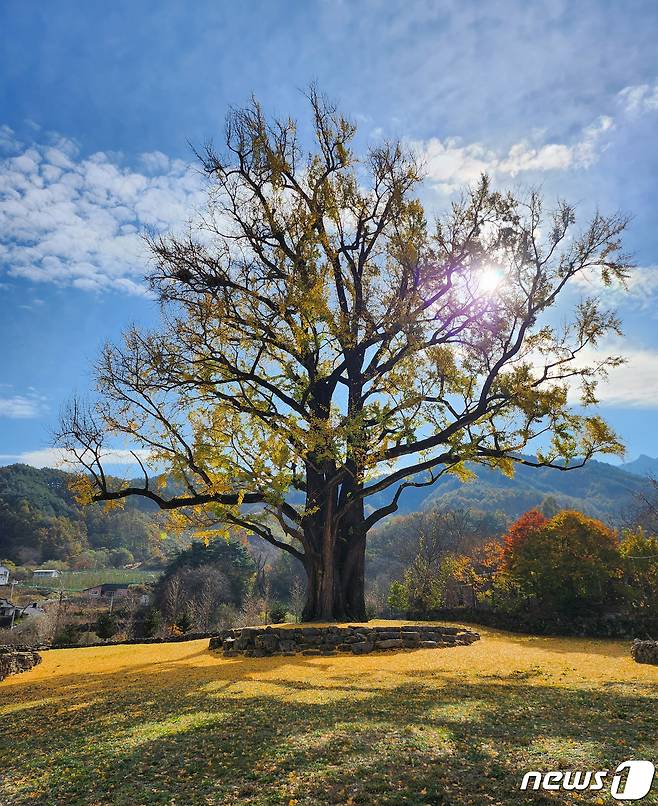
<point>567,564</point>
<point>519,531</point>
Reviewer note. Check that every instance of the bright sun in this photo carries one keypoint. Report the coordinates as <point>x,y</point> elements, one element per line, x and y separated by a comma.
<point>489,279</point>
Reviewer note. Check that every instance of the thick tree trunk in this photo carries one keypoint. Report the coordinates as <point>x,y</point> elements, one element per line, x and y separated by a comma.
<point>335,585</point>
<point>336,569</point>
<point>334,536</point>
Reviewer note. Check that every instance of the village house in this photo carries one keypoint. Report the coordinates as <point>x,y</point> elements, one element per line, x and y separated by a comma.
<point>109,590</point>
<point>8,610</point>
<point>45,573</point>
<point>4,575</point>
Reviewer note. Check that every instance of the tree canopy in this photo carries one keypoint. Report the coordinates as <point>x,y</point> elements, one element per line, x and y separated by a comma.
<point>320,336</point>
<point>567,563</point>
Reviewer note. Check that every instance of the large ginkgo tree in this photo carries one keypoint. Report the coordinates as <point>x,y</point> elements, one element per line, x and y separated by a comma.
<point>323,345</point>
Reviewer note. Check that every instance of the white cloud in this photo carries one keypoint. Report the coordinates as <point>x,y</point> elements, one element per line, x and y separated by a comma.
<point>523,157</point>
<point>639,98</point>
<point>639,293</point>
<point>56,457</point>
<point>8,141</point>
<point>77,221</point>
<point>450,164</point>
<point>633,384</point>
<point>21,407</point>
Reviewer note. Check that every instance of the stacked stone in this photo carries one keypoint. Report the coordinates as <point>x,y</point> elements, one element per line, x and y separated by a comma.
<point>17,659</point>
<point>258,642</point>
<point>645,651</point>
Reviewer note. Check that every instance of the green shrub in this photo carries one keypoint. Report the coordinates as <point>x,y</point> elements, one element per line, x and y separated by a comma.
<point>567,565</point>
<point>397,597</point>
<point>278,613</point>
<point>152,622</point>
<point>106,626</point>
<point>67,635</point>
<point>184,621</point>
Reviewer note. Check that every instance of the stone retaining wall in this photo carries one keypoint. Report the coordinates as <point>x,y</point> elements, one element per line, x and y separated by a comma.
<point>260,641</point>
<point>645,651</point>
<point>17,659</point>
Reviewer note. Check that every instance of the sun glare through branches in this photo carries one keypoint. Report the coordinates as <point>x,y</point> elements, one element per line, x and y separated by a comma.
<point>489,280</point>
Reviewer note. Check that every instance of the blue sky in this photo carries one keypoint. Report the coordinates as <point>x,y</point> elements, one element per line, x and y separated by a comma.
<point>99,100</point>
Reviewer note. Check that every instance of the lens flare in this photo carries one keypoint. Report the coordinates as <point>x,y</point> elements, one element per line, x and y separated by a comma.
<point>489,279</point>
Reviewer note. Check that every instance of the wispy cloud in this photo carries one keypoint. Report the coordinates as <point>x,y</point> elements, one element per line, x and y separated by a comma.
<point>450,162</point>
<point>639,98</point>
<point>8,141</point>
<point>74,220</point>
<point>77,221</point>
<point>635,383</point>
<point>55,457</point>
<point>21,407</point>
<point>639,291</point>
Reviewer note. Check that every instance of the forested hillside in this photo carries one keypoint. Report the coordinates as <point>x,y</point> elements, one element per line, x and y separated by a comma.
<point>597,489</point>
<point>40,520</point>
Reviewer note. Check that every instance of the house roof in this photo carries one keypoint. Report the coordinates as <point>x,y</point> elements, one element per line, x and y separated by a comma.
<point>110,586</point>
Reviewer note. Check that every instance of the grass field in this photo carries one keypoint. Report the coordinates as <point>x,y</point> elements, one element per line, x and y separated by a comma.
<point>175,724</point>
<point>79,580</point>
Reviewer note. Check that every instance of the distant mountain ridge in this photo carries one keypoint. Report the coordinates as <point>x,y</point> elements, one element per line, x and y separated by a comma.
<point>642,466</point>
<point>598,489</point>
<point>40,519</point>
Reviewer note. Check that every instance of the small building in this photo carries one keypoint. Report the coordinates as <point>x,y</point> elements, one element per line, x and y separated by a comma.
<point>7,608</point>
<point>10,612</point>
<point>109,590</point>
<point>45,573</point>
<point>4,575</point>
<point>31,609</point>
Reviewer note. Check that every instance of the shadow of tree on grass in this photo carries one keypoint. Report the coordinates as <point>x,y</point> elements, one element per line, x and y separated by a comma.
<point>168,733</point>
